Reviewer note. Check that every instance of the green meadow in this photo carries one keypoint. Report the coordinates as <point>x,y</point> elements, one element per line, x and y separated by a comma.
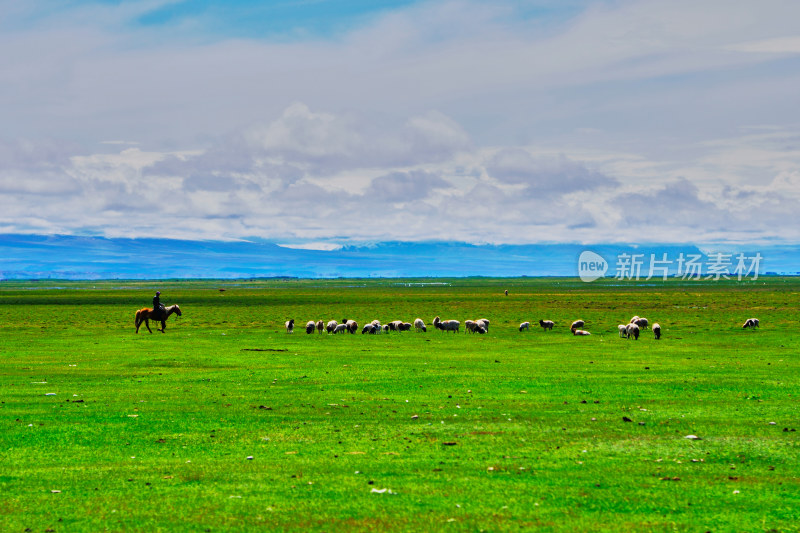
<point>227,423</point>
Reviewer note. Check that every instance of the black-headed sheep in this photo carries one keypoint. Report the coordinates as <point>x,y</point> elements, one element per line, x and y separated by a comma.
<point>331,326</point>
<point>419,325</point>
<point>751,323</point>
<point>289,326</point>
<point>633,331</point>
<point>657,330</point>
<point>449,325</point>
<point>310,326</point>
<point>525,325</point>
<point>547,324</point>
<point>577,324</point>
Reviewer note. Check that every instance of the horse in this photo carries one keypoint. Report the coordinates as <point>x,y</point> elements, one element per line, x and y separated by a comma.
<point>146,314</point>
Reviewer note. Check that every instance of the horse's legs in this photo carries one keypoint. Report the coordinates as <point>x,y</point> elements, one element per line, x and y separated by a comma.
<point>163,326</point>
<point>147,323</point>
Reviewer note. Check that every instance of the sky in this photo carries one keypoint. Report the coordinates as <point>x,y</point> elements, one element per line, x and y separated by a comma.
<point>323,123</point>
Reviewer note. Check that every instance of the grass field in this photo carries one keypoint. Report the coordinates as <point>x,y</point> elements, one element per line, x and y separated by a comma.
<point>227,423</point>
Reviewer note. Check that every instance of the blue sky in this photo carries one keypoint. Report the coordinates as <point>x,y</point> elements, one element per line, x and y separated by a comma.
<point>322,123</point>
<point>255,19</point>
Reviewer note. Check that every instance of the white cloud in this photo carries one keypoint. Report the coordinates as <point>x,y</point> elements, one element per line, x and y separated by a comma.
<point>453,120</point>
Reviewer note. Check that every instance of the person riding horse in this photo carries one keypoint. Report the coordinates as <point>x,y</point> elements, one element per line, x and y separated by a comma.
<point>159,311</point>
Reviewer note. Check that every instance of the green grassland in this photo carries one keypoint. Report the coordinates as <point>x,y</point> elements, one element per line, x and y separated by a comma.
<point>227,423</point>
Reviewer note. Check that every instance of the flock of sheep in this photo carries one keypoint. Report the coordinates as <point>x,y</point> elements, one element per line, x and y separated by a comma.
<point>626,331</point>
<point>351,326</point>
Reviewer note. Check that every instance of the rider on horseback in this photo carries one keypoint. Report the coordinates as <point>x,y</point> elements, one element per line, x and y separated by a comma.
<point>159,311</point>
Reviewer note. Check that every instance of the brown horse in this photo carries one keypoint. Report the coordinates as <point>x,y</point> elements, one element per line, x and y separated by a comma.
<point>146,314</point>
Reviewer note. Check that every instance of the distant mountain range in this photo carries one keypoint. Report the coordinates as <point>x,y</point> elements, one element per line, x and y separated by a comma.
<point>74,257</point>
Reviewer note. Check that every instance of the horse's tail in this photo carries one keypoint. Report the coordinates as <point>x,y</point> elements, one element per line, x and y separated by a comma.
<point>136,317</point>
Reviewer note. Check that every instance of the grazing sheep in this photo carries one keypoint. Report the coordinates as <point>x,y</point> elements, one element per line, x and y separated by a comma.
<point>449,325</point>
<point>320,326</point>
<point>634,319</point>
<point>657,330</point>
<point>751,323</point>
<point>469,326</point>
<point>436,321</point>
<point>577,324</point>
<point>525,325</point>
<point>480,330</point>
<point>419,324</point>
<point>289,326</point>
<point>352,326</point>
<point>623,331</point>
<point>310,326</point>
<point>331,326</point>
<point>386,328</point>
<point>547,324</point>
<point>369,328</point>
<point>580,332</point>
<point>340,328</point>
<point>506,292</point>
<point>483,322</point>
<point>405,326</point>
<point>641,322</point>
<point>633,331</point>
<point>394,325</point>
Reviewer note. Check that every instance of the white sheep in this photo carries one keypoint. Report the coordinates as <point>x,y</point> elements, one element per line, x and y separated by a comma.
<point>633,331</point>
<point>580,332</point>
<point>577,324</point>
<point>657,330</point>
<point>310,326</point>
<point>419,324</point>
<point>469,326</point>
<point>369,328</point>
<point>525,325</point>
<point>340,328</point>
<point>623,331</point>
<point>331,326</point>
<point>352,326</point>
<point>483,322</point>
<point>641,322</point>
<point>547,324</point>
<point>634,319</point>
<point>320,326</point>
<point>289,326</point>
